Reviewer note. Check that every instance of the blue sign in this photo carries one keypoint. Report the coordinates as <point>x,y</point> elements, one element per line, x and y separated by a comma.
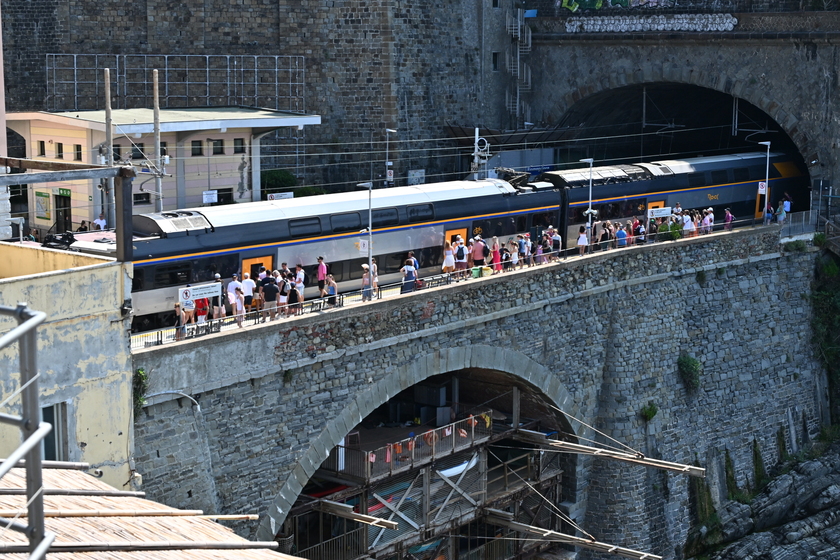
<point>536,169</point>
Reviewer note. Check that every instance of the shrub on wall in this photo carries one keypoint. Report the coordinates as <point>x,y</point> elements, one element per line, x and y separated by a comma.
<point>139,387</point>
<point>689,369</point>
<point>649,411</point>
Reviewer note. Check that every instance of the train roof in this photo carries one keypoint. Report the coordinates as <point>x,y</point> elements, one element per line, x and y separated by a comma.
<point>291,208</point>
<point>640,171</point>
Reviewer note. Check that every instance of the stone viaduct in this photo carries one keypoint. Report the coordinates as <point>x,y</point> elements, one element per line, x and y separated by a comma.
<point>596,337</point>
<point>415,68</point>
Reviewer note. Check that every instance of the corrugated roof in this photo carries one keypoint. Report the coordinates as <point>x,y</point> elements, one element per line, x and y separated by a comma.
<point>93,521</point>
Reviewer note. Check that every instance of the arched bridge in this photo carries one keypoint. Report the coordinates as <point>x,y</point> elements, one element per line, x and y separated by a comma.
<point>317,406</point>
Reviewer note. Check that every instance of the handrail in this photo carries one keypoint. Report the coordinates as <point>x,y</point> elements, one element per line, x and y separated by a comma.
<point>33,430</point>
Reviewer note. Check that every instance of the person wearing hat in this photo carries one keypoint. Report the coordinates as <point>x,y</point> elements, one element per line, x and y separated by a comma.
<point>366,289</point>
<point>231,290</point>
<point>529,250</point>
<point>478,251</point>
<point>219,301</point>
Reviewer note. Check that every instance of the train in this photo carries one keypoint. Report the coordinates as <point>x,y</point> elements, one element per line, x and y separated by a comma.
<point>189,246</point>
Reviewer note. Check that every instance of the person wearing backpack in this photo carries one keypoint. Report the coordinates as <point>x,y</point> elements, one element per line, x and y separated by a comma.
<point>460,259</point>
<point>285,286</point>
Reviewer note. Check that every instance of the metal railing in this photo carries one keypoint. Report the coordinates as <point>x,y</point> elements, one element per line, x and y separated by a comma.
<point>168,335</point>
<point>495,549</point>
<point>404,454</point>
<point>510,474</point>
<point>797,223</point>
<point>832,237</point>
<point>29,422</point>
<point>344,547</point>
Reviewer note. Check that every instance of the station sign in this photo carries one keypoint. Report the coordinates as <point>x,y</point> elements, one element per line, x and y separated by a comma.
<point>193,293</point>
<point>659,212</point>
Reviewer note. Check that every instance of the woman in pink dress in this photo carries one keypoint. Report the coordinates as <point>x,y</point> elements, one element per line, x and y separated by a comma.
<point>497,255</point>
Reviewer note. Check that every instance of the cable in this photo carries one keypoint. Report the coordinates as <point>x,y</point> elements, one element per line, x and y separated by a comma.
<point>557,510</point>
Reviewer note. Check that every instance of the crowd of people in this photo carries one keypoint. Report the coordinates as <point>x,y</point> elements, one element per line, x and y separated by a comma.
<point>279,293</point>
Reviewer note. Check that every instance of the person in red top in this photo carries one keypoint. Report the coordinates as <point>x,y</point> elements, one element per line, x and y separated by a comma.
<point>202,307</point>
<point>322,276</point>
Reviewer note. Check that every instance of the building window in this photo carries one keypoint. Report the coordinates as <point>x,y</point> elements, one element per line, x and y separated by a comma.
<point>59,150</point>
<point>224,196</point>
<point>238,145</point>
<point>495,62</point>
<point>218,147</point>
<point>55,444</point>
<point>197,147</point>
<point>77,152</point>
<point>42,148</point>
<point>142,198</point>
<point>495,3</point>
<point>137,151</point>
<point>117,152</point>
<point>162,149</point>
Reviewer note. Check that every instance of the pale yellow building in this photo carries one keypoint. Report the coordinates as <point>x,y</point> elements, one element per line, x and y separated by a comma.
<point>214,149</point>
<point>83,355</point>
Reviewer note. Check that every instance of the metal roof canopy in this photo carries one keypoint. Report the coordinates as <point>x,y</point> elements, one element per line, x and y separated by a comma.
<point>505,519</point>
<point>58,171</point>
<point>194,119</point>
<point>540,438</point>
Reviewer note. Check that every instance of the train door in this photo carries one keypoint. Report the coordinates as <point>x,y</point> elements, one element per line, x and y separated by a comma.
<point>253,265</point>
<point>451,234</point>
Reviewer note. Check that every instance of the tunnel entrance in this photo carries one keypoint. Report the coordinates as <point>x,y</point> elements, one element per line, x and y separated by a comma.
<point>645,122</point>
<point>433,460</point>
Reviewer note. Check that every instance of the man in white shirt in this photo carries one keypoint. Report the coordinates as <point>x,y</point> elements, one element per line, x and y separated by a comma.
<point>248,287</point>
<point>231,290</point>
<point>100,222</point>
<point>299,277</point>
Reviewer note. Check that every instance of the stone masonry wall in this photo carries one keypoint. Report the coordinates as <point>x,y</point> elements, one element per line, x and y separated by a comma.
<point>598,336</point>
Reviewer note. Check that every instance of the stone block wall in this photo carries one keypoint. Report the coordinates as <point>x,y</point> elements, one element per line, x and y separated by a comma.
<point>599,337</point>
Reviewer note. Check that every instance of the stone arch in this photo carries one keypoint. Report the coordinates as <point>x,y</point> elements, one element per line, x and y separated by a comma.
<point>440,361</point>
<point>657,72</point>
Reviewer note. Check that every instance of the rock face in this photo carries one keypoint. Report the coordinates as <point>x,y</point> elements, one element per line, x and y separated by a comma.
<point>796,517</point>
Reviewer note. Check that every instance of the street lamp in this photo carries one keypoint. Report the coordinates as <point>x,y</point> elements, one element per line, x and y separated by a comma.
<point>766,181</point>
<point>369,186</point>
<point>388,164</point>
<point>589,211</point>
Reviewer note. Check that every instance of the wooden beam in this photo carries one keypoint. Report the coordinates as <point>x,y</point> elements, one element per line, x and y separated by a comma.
<point>346,511</point>
<point>505,519</point>
<point>539,438</point>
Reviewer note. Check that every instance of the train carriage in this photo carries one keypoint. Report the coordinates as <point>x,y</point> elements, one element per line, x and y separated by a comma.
<point>189,246</point>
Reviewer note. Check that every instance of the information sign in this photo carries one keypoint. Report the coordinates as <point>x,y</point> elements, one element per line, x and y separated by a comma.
<point>209,197</point>
<point>200,291</point>
<point>65,192</point>
<point>280,195</point>
<point>762,187</point>
<point>659,212</point>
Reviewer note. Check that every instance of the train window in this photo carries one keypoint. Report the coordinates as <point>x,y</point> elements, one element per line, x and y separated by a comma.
<point>541,220</point>
<point>356,270</point>
<point>346,222</point>
<point>172,275</point>
<point>304,227</point>
<point>420,212</point>
<point>497,226</point>
<point>392,263</point>
<point>696,179</point>
<point>521,223</point>
<point>757,173</point>
<point>741,174</point>
<point>720,177</point>
<point>205,268</point>
<point>385,217</point>
<point>138,283</point>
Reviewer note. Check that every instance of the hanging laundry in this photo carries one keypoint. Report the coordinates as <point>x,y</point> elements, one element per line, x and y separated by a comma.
<point>373,457</point>
<point>462,432</point>
<point>447,431</point>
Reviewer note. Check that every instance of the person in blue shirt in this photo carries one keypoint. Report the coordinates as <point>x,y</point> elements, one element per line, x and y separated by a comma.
<point>621,237</point>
